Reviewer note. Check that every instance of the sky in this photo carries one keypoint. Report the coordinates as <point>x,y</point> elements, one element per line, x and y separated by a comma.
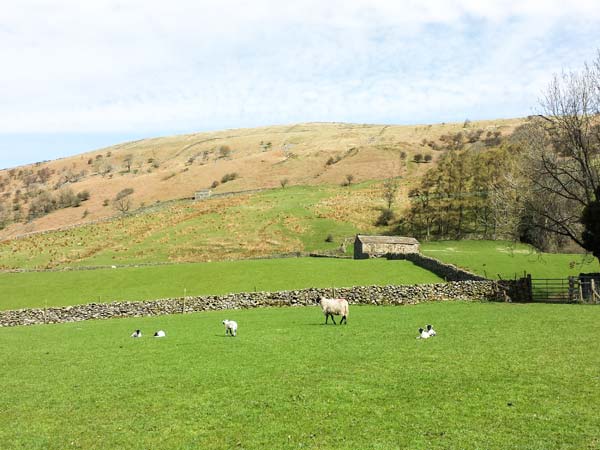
<point>80,75</point>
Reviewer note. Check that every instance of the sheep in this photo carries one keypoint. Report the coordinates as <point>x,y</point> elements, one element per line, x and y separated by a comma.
<point>159,334</point>
<point>230,327</point>
<point>430,331</point>
<point>136,334</point>
<point>337,306</point>
<point>423,334</point>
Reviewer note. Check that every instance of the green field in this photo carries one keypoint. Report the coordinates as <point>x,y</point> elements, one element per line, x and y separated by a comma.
<point>488,258</point>
<point>40,289</point>
<point>497,376</point>
<point>508,260</point>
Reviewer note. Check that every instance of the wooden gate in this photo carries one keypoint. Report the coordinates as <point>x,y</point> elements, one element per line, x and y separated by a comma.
<point>589,288</point>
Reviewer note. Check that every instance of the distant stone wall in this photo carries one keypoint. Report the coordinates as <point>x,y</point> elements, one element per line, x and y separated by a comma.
<point>370,295</point>
<point>448,272</point>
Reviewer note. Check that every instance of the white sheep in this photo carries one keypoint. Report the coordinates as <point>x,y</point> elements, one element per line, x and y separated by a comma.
<point>337,306</point>
<point>136,334</point>
<point>430,331</point>
<point>423,334</point>
<point>230,327</point>
<point>160,333</point>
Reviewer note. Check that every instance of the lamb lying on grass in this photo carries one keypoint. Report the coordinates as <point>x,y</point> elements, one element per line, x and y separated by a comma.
<point>430,331</point>
<point>160,333</point>
<point>230,327</point>
<point>334,306</point>
<point>136,334</point>
<point>423,334</point>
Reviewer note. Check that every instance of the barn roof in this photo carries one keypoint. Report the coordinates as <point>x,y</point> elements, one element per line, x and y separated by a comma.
<point>386,240</point>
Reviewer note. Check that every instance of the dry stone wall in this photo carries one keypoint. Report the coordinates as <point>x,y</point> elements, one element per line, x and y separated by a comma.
<point>375,295</point>
<point>448,272</point>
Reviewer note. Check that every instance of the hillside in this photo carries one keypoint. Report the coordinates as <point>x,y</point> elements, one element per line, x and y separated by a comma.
<point>41,196</point>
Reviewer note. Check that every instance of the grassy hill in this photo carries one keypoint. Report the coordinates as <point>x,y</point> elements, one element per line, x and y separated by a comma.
<point>286,381</point>
<point>166,168</point>
<point>294,219</point>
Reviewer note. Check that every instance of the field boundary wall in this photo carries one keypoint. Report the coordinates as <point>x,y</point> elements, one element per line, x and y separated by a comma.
<point>369,295</point>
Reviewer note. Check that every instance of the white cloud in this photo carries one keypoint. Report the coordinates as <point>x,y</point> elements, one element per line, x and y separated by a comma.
<point>148,65</point>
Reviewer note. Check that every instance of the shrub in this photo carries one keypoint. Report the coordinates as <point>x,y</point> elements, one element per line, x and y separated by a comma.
<point>474,135</point>
<point>427,158</point>
<point>224,151</point>
<point>329,238</point>
<point>284,182</point>
<point>229,177</point>
<point>83,195</point>
<point>333,160</point>
<point>385,218</point>
<point>124,193</point>
<point>105,202</point>
<point>67,198</point>
<point>492,138</point>
<point>214,184</point>
<point>418,158</point>
<point>41,205</point>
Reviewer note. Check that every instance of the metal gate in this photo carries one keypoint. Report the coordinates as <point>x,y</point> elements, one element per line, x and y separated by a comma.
<point>555,290</point>
<point>583,289</point>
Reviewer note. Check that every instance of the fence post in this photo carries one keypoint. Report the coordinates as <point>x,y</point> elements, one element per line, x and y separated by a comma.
<point>529,288</point>
<point>571,289</point>
<point>595,295</point>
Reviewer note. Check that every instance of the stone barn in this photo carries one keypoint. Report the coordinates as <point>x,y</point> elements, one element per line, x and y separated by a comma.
<point>379,246</point>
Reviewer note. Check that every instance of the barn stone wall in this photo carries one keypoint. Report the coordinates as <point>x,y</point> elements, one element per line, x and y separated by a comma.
<point>364,250</point>
<point>370,295</point>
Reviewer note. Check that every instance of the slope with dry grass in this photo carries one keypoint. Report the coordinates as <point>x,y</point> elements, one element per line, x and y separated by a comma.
<point>174,167</point>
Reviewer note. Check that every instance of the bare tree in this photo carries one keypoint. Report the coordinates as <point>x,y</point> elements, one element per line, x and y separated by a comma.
<point>128,161</point>
<point>390,189</point>
<point>122,201</point>
<point>4,215</point>
<point>561,155</point>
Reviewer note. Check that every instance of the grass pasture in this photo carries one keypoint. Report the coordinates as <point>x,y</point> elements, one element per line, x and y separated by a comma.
<point>41,289</point>
<point>508,259</point>
<point>294,219</point>
<point>486,381</point>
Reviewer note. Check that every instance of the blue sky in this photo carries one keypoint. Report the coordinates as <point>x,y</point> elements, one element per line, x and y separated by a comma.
<point>82,75</point>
